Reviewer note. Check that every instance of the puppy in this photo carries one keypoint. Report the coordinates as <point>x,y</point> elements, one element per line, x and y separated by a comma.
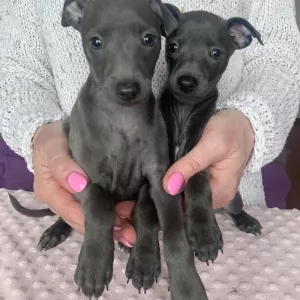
<point>117,135</point>
<point>197,54</point>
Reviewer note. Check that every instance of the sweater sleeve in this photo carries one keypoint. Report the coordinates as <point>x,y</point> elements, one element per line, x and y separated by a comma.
<point>269,92</point>
<point>28,98</point>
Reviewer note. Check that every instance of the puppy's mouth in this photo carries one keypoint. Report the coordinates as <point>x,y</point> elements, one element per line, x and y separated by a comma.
<point>129,103</point>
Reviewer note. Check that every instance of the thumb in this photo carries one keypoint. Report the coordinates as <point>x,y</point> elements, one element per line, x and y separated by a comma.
<point>66,171</point>
<point>198,159</point>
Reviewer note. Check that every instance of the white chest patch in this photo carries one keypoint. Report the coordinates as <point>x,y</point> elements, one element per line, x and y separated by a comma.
<point>176,151</point>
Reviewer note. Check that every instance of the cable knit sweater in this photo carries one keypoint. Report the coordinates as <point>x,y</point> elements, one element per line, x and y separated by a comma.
<point>42,67</point>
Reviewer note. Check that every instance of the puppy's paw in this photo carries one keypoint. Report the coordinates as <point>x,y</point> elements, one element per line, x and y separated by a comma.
<point>205,239</point>
<point>94,270</point>
<point>143,267</point>
<point>246,223</point>
<point>54,235</point>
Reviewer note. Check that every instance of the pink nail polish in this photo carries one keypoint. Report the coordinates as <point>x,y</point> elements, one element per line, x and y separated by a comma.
<point>77,182</point>
<point>124,242</point>
<point>175,183</point>
<point>117,228</point>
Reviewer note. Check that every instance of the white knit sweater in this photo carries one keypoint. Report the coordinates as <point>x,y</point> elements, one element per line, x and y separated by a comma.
<point>42,67</point>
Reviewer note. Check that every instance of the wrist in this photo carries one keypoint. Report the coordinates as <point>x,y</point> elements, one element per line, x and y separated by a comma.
<point>42,132</point>
<point>243,125</point>
<point>248,133</point>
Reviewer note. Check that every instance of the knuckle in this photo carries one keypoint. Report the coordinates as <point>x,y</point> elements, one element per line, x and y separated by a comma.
<point>59,165</point>
<point>195,166</point>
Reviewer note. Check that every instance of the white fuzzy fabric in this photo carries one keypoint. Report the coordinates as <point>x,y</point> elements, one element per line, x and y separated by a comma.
<point>42,67</point>
<point>252,267</point>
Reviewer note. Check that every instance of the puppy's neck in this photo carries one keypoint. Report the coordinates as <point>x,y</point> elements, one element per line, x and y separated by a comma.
<point>196,102</point>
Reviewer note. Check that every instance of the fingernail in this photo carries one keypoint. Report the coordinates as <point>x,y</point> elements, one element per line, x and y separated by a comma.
<point>124,242</point>
<point>77,182</point>
<point>175,183</point>
<point>117,228</point>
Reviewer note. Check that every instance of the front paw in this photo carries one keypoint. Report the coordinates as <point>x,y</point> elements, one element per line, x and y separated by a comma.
<point>205,239</point>
<point>143,266</point>
<point>94,270</point>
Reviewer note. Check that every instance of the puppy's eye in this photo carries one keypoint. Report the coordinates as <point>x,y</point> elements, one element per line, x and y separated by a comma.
<point>96,43</point>
<point>216,54</point>
<point>172,48</point>
<point>149,40</point>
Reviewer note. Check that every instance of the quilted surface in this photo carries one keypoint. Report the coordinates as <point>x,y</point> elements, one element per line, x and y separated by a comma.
<point>251,268</point>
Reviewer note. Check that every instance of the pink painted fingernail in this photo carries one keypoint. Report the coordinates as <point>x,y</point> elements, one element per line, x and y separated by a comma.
<point>175,183</point>
<point>124,242</point>
<point>77,182</point>
<point>117,228</point>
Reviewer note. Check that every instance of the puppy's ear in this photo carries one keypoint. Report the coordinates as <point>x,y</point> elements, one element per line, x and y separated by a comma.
<point>169,22</point>
<point>72,13</point>
<point>174,10</point>
<point>242,32</point>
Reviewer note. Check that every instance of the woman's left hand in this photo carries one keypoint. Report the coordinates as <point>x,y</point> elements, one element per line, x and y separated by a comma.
<point>225,148</point>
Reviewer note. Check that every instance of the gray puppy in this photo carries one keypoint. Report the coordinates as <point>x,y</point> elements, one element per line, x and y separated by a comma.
<point>117,135</point>
<point>197,53</point>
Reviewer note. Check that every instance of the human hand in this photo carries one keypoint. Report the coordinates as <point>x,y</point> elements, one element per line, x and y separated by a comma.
<point>225,148</point>
<point>57,177</point>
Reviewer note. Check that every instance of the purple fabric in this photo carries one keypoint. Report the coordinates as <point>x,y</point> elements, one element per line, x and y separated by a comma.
<point>276,184</point>
<point>14,174</point>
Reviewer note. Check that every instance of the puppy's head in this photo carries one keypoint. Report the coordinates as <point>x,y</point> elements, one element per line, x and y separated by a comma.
<point>121,40</point>
<point>198,51</point>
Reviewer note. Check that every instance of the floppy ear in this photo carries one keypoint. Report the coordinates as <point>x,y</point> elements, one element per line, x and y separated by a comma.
<point>72,13</point>
<point>174,10</point>
<point>242,32</point>
<point>169,21</point>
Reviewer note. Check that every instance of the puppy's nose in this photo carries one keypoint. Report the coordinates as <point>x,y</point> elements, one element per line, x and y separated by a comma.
<point>127,91</point>
<point>187,83</point>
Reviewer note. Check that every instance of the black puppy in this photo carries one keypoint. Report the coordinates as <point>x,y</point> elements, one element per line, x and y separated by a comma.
<point>117,135</point>
<point>197,53</point>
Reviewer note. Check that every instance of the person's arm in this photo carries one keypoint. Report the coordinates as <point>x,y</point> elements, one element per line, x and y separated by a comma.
<point>269,93</point>
<point>28,97</point>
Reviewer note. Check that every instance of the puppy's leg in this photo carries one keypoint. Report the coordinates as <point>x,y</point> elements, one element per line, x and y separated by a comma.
<point>242,220</point>
<point>55,235</point>
<point>202,228</point>
<point>143,266</point>
<point>95,262</point>
<point>183,277</point>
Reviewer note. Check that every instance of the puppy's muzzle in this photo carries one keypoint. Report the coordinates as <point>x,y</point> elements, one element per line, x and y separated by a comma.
<point>187,83</point>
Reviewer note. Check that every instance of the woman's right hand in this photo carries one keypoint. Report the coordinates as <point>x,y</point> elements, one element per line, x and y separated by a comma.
<point>57,177</point>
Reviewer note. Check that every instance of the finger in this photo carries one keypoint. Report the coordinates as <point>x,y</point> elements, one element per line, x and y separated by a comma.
<point>126,235</point>
<point>76,227</point>
<point>118,222</point>
<point>124,209</point>
<point>66,171</point>
<point>198,159</point>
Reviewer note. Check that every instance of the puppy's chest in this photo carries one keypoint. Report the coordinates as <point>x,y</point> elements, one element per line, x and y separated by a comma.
<point>188,122</point>
<point>120,169</point>
<point>183,124</point>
